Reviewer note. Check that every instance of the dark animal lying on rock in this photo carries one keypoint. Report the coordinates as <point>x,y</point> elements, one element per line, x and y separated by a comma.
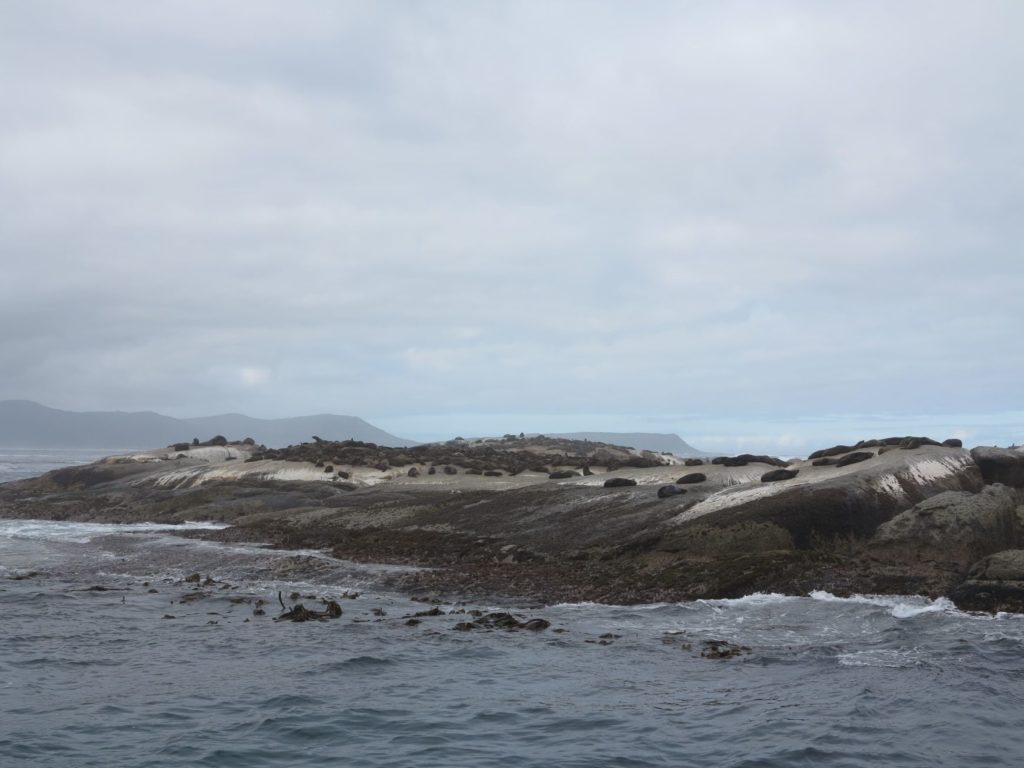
<point>670,490</point>
<point>854,458</point>
<point>779,474</point>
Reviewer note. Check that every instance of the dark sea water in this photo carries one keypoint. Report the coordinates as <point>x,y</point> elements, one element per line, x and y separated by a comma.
<point>106,678</point>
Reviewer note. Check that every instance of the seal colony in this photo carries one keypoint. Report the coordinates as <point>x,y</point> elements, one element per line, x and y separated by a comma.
<point>557,520</point>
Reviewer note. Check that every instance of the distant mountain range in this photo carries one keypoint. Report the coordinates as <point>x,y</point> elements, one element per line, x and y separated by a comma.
<point>645,441</point>
<point>25,424</point>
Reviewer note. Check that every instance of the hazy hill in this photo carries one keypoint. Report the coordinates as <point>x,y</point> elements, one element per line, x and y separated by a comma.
<point>645,441</point>
<point>25,424</point>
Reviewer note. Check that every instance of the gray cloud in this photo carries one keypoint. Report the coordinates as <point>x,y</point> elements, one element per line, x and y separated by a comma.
<point>426,213</point>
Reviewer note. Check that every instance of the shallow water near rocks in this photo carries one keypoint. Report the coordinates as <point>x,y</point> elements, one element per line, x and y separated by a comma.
<point>105,678</point>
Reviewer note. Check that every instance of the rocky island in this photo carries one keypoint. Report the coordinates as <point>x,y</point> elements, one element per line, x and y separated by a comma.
<point>557,519</point>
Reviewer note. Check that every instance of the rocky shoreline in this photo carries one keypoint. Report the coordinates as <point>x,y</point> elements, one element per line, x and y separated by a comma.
<point>557,520</point>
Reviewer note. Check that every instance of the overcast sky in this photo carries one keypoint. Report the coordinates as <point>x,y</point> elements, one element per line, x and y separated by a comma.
<point>758,224</point>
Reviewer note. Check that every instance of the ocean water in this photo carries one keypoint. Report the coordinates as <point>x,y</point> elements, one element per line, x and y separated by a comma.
<point>19,463</point>
<point>144,673</point>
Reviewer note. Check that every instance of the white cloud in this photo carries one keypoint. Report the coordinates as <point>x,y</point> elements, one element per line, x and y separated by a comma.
<point>253,377</point>
<point>729,209</point>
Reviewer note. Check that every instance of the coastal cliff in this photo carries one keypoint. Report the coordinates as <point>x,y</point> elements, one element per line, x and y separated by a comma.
<point>558,519</point>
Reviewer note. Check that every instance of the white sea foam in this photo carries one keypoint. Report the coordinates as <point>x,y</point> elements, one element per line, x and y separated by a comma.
<point>751,600</point>
<point>900,606</point>
<point>58,530</point>
<point>891,658</point>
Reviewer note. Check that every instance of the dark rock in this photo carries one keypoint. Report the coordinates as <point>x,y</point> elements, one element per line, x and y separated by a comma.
<point>450,470</point>
<point>670,490</point>
<point>722,649</point>
<point>413,472</point>
<point>824,462</point>
<point>474,472</point>
<point>432,471</point>
<point>854,458</point>
<point>300,613</point>
<point>180,446</point>
<point>694,462</point>
<point>779,474</point>
<point>535,625</point>
<point>619,482</point>
<point>1000,465</point>
<point>693,477</point>
<point>328,467</point>
<point>219,440</point>
<point>953,442</point>
<point>492,473</point>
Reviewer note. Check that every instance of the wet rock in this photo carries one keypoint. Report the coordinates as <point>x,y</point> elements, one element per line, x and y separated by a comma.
<point>854,458</point>
<point>300,613</point>
<point>722,649</point>
<point>619,482</point>
<point>670,490</point>
<point>996,583</point>
<point>694,462</point>
<point>535,625</point>
<point>693,477</point>
<point>776,475</point>
<point>501,620</point>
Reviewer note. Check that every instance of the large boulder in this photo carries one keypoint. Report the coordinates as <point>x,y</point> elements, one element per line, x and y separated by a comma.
<point>956,527</point>
<point>692,477</point>
<point>1000,465</point>
<point>995,583</point>
<point>619,482</point>
<point>822,504</point>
